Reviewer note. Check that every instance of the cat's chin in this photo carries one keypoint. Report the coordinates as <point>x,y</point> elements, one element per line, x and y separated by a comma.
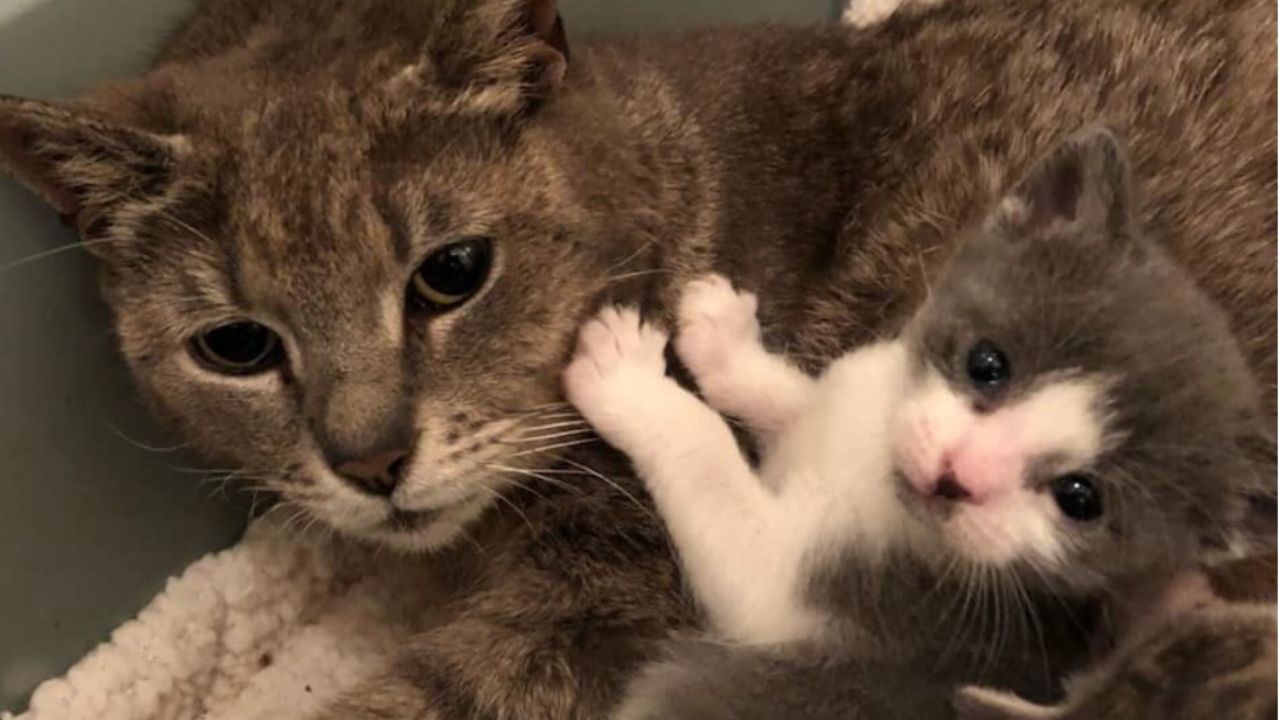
<point>427,531</point>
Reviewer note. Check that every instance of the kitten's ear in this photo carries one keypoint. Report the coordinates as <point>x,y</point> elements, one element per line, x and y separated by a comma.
<point>84,167</point>
<point>495,56</point>
<point>1083,185</point>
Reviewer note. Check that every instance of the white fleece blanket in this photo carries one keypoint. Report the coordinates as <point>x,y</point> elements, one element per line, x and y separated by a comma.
<point>270,628</point>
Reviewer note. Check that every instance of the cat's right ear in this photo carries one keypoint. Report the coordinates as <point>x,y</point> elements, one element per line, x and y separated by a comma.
<point>1082,187</point>
<point>84,167</point>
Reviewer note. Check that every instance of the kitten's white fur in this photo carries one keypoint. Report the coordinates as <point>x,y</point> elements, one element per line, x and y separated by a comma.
<point>832,448</point>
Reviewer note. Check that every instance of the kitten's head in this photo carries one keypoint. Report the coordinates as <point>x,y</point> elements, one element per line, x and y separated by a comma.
<point>345,257</point>
<point>1077,408</point>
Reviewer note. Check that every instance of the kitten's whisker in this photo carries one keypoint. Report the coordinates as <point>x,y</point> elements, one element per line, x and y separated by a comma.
<point>1032,618</point>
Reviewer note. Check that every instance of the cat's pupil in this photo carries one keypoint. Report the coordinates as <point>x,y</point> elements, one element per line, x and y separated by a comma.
<point>238,348</point>
<point>1077,497</point>
<point>987,365</point>
<point>454,272</point>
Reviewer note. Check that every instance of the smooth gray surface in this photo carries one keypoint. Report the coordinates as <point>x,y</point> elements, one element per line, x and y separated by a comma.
<point>90,523</point>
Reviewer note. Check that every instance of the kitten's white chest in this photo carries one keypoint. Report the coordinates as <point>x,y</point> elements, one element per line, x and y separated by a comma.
<point>833,468</point>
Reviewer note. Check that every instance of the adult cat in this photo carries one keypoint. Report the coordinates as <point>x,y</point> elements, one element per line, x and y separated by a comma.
<point>347,246</point>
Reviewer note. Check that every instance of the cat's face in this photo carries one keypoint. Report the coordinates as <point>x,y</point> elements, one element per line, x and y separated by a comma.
<point>359,290</point>
<point>1077,409</point>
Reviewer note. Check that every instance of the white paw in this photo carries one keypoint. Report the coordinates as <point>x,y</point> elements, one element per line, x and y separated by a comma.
<point>616,350</point>
<point>715,323</point>
<point>865,13</point>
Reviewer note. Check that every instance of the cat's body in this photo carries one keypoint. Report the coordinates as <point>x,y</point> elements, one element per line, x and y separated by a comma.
<point>1065,419</point>
<point>291,162</point>
<point>1184,653</point>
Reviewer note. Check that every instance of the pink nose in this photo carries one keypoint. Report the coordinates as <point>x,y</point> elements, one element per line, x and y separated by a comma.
<point>948,487</point>
<point>378,474</point>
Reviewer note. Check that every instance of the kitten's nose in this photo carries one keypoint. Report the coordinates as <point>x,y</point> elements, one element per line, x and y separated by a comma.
<point>377,474</point>
<point>949,488</point>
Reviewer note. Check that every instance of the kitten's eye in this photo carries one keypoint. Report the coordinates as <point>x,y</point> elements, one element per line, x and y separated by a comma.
<point>238,348</point>
<point>987,366</point>
<point>453,273</point>
<point>1077,497</point>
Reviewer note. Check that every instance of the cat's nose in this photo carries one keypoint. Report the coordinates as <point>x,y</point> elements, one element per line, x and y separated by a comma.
<point>376,474</point>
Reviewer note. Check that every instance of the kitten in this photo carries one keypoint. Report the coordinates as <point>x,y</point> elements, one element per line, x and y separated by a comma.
<point>1067,412</point>
<point>347,247</point>
<point>1187,655</point>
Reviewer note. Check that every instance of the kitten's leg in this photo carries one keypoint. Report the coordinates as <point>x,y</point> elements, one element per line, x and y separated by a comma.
<point>721,518</point>
<point>719,341</point>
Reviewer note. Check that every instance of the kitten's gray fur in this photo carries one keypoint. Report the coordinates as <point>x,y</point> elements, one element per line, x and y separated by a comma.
<point>1059,277</point>
<point>297,157</point>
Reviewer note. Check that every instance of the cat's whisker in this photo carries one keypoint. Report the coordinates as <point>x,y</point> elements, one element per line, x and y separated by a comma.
<point>579,432</point>
<point>548,407</point>
<point>609,481</point>
<point>537,475</point>
<point>498,496</point>
<point>145,447</point>
<point>548,448</point>
<point>555,425</point>
<point>53,252</point>
<point>552,416</point>
<point>638,273</point>
<point>644,247</point>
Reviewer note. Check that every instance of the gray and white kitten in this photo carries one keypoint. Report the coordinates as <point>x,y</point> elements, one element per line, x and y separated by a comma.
<point>1066,415</point>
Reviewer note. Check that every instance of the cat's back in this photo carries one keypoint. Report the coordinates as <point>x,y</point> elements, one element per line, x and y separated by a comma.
<point>286,32</point>
<point>951,104</point>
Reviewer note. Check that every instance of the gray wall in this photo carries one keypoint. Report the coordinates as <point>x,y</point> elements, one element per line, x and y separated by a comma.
<point>90,522</point>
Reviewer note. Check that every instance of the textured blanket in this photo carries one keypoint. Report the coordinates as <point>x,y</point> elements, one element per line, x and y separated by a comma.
<point>270,628</point>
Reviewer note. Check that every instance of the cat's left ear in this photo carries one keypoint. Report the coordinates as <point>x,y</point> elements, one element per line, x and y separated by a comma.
<point>1083,187</point>
<point>494,57</point>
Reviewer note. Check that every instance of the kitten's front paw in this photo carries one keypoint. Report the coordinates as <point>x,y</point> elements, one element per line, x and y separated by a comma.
<point>715,322</point>
<point>617,352</point>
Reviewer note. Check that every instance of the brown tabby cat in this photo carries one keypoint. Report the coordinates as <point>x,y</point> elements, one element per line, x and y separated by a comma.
<point>347,245</point>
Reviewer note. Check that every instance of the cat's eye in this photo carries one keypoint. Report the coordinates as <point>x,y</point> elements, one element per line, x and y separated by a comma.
<point>987,366</point>
<point>239,348</point>
<point>453,273</point>
<point>1077,497</point>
